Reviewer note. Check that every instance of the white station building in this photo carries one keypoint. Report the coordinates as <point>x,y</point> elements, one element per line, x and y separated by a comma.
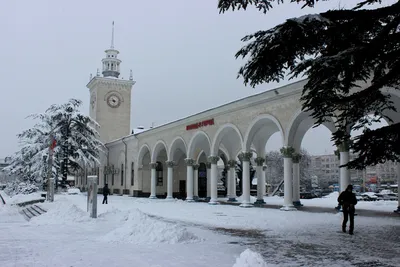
<point>180,158</point>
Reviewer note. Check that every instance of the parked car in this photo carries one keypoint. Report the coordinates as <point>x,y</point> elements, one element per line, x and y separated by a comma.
<point>370,197</point>
<point>307,195</point>
<point>390,196</point>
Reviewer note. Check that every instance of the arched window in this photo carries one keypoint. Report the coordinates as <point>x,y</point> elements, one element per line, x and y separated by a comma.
<point>132,173</point>
<point>122,174</point>
<point>159,173</point>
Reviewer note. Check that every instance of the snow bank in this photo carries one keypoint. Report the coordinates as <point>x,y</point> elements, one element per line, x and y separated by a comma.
<point>9,214</point>
<point>61,212</point>
<point>20,198</point>
<point>249,258</point>
<point>74,191</point>
<point>137,227</point>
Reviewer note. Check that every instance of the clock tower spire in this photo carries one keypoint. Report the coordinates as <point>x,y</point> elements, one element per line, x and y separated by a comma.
<point>110,97</point>
<point>111,64</point>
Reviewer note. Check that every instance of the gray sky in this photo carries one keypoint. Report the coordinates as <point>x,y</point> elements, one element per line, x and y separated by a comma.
<point>181,53</point>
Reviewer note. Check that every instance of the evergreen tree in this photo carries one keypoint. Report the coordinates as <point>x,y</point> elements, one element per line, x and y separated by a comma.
<point>275,168</point>
<point>336,50</point>
<point>77,144</point>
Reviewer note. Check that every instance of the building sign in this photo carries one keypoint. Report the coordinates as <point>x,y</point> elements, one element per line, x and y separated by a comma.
<point>199,124</point>
<point>110,170</point>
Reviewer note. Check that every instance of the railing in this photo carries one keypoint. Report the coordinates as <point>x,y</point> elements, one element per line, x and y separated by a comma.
<point>2,200</point>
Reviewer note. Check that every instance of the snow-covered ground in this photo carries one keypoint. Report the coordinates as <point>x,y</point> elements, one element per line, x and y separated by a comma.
<point>142,232</point>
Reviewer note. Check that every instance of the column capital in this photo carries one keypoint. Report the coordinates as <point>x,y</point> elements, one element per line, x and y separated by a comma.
<point>196,166</point>
<point>213,159</point>
<point>232,163</point>
<point>296,157</point>
<point>153,165</point>
<point>264,167</point>
<point>208,165</point>
<point>189,161</point>
<point>170,163</point>
<point>259,161</point>
<point>343,147</point>
<point>245,156</point>
<point>287,151</point>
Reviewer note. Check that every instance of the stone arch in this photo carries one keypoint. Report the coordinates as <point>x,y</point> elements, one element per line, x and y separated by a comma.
<point>260,130</point>
<point>144,149</point>
<point>158,147</point>
<point>177,144</point>
<point>230,136</point>
<point>200,140</point>
<point>300,123</point>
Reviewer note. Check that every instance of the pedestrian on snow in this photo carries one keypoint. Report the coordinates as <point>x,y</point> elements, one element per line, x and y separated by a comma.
<point>348,201</point>
<point>106,192</point>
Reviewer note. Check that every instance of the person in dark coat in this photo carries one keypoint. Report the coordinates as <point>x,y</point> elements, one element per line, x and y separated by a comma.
<point>348,201</point>
<point>106,192</point>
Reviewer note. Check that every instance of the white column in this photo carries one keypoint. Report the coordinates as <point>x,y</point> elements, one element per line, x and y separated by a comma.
<point>214,179</point>
<point>296,179</point>
<point>287,178</point>
<point>170,179</point>
<point>208,164</point>
<point>245,158</point>
<point>196,181</point>
<point>153,188</point>
<point>344,171</point>
<point>260,180</point>
<point>398,186</point>
<point>189,179</point>
<point>232,181</point>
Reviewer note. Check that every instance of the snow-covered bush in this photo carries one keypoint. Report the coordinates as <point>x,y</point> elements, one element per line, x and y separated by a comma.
<point>17,187</point>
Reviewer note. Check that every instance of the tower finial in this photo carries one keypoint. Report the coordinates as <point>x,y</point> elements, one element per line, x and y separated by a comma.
<point>131,76</point>
<point>112,36</point>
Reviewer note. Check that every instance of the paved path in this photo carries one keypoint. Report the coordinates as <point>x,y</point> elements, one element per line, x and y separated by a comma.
<point>359,212</point>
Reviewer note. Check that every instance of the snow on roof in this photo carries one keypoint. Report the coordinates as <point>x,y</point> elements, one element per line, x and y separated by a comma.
<point>139,130</point>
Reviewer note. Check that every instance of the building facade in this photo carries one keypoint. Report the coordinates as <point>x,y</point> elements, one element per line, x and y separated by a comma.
<point>181,157</point>
<point>326,168</point>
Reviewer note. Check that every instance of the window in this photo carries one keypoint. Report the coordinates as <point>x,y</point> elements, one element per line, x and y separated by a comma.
<point>112,176</point>
<point>122,174</point>
<point>132,173</point>
<point>159,173</point>
<point>105,178</point>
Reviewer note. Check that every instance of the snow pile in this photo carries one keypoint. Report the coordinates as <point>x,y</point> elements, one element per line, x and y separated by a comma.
<point>61,213</point>
<point>10,214</point>
<point>74,191</point>
<point>15,188</point>
<point>21,198</point>
<point>140,228</point>
<point>249,258</point>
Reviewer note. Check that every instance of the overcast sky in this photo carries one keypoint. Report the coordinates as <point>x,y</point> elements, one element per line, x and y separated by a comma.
<point>181,53</point>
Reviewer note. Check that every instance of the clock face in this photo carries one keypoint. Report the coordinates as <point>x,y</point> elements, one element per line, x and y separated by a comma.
<point>113,101</point>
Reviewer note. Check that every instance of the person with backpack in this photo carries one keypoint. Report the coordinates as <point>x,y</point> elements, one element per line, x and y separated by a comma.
<point>347,199</point>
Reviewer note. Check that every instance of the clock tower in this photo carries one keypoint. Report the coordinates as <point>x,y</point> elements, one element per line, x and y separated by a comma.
<point>110,97</point>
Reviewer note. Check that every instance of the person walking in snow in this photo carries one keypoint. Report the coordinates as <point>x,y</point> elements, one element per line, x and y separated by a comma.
<point>348,201</point>
<point>106,192</point>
